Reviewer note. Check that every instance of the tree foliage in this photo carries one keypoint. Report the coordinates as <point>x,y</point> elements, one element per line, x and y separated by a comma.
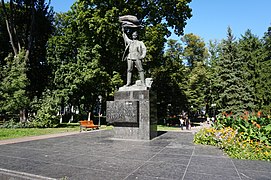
<point>26,27</point>
<point>92,28</point>
<point>13,85</point>
<point>234,93</point>
<point>69,59</point>
<point>264,90</point>
<point>250,48</point>
<point>168,81</point>
<point>195,50</point>
<point>195,56</point>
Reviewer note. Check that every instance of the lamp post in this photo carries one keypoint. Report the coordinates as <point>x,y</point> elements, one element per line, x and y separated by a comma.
<point>100,108</point>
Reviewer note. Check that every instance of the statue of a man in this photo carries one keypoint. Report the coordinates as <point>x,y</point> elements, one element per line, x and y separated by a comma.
<point>136,52</point>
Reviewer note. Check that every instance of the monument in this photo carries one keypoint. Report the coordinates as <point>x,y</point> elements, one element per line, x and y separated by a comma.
<point>133,111</point>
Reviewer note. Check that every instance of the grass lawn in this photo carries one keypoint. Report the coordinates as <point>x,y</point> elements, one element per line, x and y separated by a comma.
<point>9,133</point>
<point>168,128</point>
<point>6,133</point>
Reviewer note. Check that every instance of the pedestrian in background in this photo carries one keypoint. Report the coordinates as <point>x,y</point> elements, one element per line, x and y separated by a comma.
<point>181,122</point>
<point>187,123</point>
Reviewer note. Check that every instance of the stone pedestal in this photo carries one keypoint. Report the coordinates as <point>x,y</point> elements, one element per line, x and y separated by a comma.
<point>133,114</point>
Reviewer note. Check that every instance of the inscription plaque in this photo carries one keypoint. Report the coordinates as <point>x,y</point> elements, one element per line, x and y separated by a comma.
<point>122,113</point>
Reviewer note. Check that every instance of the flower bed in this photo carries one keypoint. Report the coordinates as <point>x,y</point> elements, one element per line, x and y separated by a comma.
<point>246,137</point>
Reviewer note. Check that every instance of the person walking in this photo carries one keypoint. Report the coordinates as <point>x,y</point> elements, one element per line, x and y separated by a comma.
<point>187,123</point>
<point>181,122</point>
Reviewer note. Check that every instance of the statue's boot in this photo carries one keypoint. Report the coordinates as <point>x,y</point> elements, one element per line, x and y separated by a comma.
<point>142,78</point>
<point>129,76</point>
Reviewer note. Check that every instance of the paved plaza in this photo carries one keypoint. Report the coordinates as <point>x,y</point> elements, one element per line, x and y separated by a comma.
<point>95,155</point>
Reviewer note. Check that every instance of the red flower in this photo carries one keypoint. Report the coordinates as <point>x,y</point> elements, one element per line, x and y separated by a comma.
<point>259,114</point>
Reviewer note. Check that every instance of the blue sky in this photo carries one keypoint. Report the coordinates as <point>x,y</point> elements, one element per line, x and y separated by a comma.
<point>212,17</point>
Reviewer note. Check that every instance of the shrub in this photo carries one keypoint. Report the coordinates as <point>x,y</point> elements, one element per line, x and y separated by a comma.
<point>246,137</point>
<point>14,124</point>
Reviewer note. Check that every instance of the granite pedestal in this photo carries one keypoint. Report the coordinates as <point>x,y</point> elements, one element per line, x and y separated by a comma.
<point>133,114</point>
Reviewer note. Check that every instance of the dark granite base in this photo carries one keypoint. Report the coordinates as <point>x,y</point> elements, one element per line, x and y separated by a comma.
<point>134,115</point>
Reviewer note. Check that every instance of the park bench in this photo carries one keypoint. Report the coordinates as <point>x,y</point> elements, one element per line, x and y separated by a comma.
<point>87,124</point>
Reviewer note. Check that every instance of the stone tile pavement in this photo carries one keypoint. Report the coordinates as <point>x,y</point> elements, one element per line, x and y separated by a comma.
<point>96,155</point>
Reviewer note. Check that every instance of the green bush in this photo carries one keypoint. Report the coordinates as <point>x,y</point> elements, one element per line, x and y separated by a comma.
<point>14,124</point>
<point>11,124</point>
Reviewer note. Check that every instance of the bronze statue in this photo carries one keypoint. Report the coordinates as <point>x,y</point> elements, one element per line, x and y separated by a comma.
<point>135,48</point>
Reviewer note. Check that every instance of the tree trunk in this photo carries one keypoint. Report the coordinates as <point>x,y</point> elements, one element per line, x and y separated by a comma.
<point>9,27</point>
<point>14,40</point>
<point>89,116</point>
<point>30,37</point>
<point>15,50</point>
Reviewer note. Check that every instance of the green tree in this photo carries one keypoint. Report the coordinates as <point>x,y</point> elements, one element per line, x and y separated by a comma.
<point>265,75</point>
<point>98,22</point>
<point>83,80</point>
<point>46,109</point>
<point>250,50</point>
<point>168,81</point>
<point>27,25</point>
<point>95,26</point>
<point>215,49</point>
<point>174,51</point>
<point>230,84</point>
<point>196,87</point>
<point>13,86</point>
<point>78,81</point>
<point>5,46</point>
<point>194,50</point>
<point>195,56</point>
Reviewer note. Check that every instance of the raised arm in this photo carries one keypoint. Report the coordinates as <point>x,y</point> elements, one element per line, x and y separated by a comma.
<point>125,37</point>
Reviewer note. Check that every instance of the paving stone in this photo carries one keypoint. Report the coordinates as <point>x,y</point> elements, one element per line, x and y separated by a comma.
<point>211,161</point>
<point>208,151</point>
<point>177,151</point>
<point>142,177</point>
<point>257,175</point>
<point>252,165</point>
<point>161,170</point>
<point>94,174</point>
<point>97,155</point>
<point>172,158</point>
<point>213,170</point>
<point>198,176</point>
